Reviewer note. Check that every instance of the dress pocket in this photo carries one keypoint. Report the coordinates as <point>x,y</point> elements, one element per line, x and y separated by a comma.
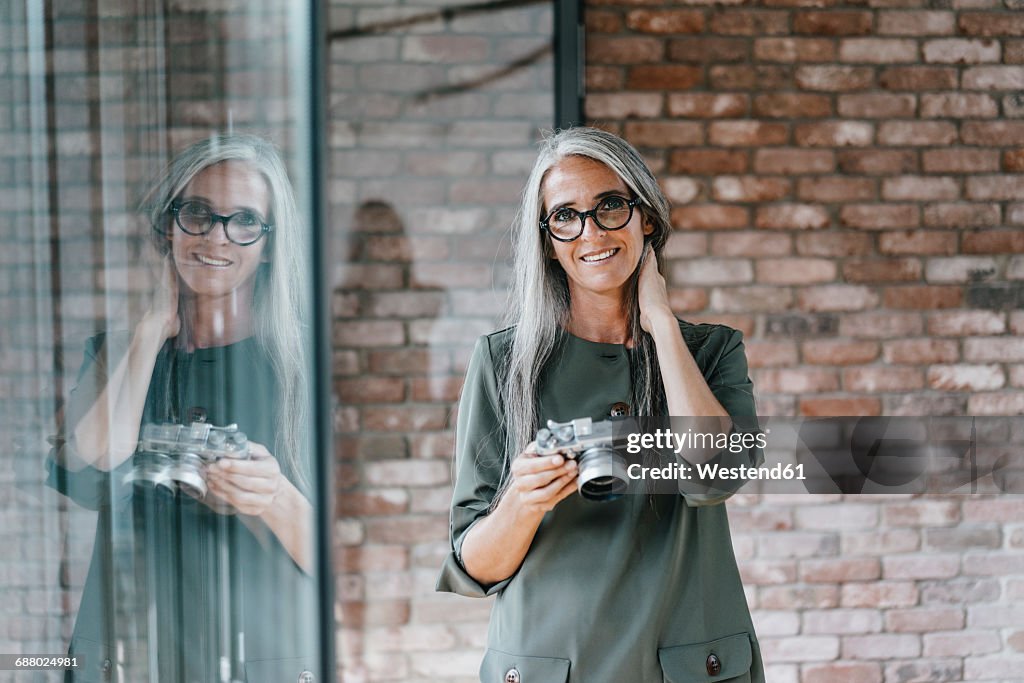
<point>725,659</point>
<point>502,667</point>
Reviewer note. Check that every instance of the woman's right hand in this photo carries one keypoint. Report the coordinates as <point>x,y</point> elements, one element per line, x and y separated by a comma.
<point>539,482</point>
<point>162,316</point>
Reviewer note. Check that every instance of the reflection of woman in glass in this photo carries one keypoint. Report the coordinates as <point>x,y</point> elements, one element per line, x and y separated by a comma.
<point>202,587</point>
<point>644,588</point>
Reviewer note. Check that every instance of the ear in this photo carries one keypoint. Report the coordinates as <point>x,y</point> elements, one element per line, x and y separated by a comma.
<point>648,226</point>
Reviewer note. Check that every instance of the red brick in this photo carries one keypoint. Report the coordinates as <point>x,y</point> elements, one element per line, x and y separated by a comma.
<point>916,23</point>
<point>879,216</point>
<point>833,243</point>
<point>959,160</point>
<point>624,50</point>
<point>747,133</point>
<point>834,134</point>
<point>681,189</point>
<point>996,403</point>
<point>1013,160</point>
<point>484,189</point>
<point>959,106</point>
<point>796,381</point>
<point>370,390</point>
<point>369,504</point>
<point>711,271</point>
<point>994,349</point>
<point>799,597</point>
<point>770,354</point>
<point>840,570</point>
<point>966,377</point>
<point>623,105</point>
<point>920,351</point>
<point>897,645</point>
<point>994,242</point>
<point>710,217</point>
<point>602,21</point>
<point>923,619</point>
<point>768,572</point>
<point>792,217</point>
<point>708,161</point>
<point>993,78</point>
<point>792,161</point>
<point>966,323</point>
<point>689,299</point>
<point>848,672</point>
<point>406,362</point>
<point>836,189</point>
<point>800,648</point>
<point>833,78</point>
<point>437,388</point>
<point>368,276</point>
<point>961,51</point>
<point>880,542</point>
<point>919,78</point>
<point>406,529</point>
<point>836,298</point>
<point>916,133</point>
<point>920,188</point>
<point>993,133</point>
<point>882,379</point>
<point>877,50</point>
<point>749,189</point>
<point>961,643</point>
<point>664,133</point>
<point>758,244</point>
<point>604,78</point>
<point>371,334</point>
<point>665,21</point>
<point>833,23</point>
<point>755,22</point>
<point>707,105</point>
<point>794,50</point>
<point>795,271</point>
<point>882,270</point>
<point>995,187</point>
<point>792,105</point>
<point>989,24</point>
<point>877,162</point>
<point>880,594</point>
<point>405,418</point>
<point>663,77</point>
<point>924,297</point>
<point>917,242</point>
<point>749,299</point>
<point>701,49</point>
<point>959,269</point>
<point>839,352</point>
<point>877,105</point>
<point>839,407</point>
<point>1013,51</point>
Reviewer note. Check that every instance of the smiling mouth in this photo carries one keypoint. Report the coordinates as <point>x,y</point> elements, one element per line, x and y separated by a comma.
<point>210,261</point>
<point>600,256</point>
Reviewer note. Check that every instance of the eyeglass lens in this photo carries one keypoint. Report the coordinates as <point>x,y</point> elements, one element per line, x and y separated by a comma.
<point>243,227</point>
<point>611,213</point>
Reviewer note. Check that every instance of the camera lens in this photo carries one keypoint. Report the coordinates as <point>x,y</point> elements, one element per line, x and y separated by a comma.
<point>602,474</point>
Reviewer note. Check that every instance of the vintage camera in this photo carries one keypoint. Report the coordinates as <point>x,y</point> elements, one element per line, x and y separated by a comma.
<point>602,469</point>
<point>175,456</point>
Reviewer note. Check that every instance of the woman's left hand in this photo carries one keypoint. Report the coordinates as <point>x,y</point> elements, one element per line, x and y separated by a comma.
<point>652,292</point>
<point>249,486</point>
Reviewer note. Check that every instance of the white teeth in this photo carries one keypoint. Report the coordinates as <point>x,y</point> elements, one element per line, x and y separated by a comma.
<point>591,258</point>
<point>206,260</point>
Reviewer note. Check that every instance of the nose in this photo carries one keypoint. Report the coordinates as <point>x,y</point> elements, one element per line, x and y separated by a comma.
<point>218,231</point>
<point>591,230</point>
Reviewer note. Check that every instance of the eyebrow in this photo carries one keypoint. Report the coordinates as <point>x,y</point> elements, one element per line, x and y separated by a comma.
<point>597,197</point>
<point>235,209</point>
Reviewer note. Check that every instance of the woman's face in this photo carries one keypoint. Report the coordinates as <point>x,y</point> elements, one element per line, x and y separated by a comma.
<point>211,265</point>
<point>598,261</point>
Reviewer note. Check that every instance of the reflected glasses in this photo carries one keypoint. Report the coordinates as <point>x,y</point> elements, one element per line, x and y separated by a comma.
<point>197,219</point>
<point>611,213</point>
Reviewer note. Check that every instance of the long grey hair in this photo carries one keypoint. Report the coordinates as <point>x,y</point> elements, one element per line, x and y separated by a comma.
<point>280,292</point>
<point>539,297</point>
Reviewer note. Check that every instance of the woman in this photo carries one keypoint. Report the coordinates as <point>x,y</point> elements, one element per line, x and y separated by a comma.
<point>181,586</point>
<point>640,588</point>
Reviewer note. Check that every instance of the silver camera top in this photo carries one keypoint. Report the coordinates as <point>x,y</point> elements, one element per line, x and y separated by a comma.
<point>574,436</point>
<point>208,441</point>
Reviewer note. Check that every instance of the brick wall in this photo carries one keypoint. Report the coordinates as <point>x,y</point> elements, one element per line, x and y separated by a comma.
<point>843,187</point>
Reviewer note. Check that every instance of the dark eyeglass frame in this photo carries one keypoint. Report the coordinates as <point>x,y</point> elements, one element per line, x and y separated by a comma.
<point>215,218</point>
<point>545,224</point>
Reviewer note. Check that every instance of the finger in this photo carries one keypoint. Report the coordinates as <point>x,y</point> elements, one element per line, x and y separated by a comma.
<point>258,467</point>
<point>567,490</point>
<point>263,485</point>
<point>549,492</point>
<point>522,466</point>
<point>530,482</point>
<point>240,498</point>
<point>258,450</point>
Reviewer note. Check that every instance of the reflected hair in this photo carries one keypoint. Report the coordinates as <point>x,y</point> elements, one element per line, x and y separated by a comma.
<point>280,292</point>
<point>539,296</point>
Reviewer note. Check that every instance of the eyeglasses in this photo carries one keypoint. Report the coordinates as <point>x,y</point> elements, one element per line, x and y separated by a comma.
<point>611,213</point>
<point>196,219</point>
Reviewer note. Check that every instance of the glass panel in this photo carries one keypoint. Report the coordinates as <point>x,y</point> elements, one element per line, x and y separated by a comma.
<point>156,494</point>
<point>434,115</point>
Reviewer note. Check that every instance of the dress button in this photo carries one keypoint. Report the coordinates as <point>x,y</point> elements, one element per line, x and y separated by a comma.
<point>512,676</point>
<point>619,409</point>
<point>306,677</point>
<point>714,664</point>
<point>105,668</point>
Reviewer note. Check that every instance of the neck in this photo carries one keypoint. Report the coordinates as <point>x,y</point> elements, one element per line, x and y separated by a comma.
<point>217,321</point>
<point>598,317</point>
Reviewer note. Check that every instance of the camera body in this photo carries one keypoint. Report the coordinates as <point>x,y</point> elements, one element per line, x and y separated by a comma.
<point>602,468</point>
<point>175,456</point>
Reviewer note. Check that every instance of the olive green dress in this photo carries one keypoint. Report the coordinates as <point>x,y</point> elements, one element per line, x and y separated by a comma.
<point>641,589</point>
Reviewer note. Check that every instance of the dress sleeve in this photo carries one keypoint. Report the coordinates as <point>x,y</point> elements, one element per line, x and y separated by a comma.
<point>724,364</point>
<point>89,487</point>
<point>479,464</point>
